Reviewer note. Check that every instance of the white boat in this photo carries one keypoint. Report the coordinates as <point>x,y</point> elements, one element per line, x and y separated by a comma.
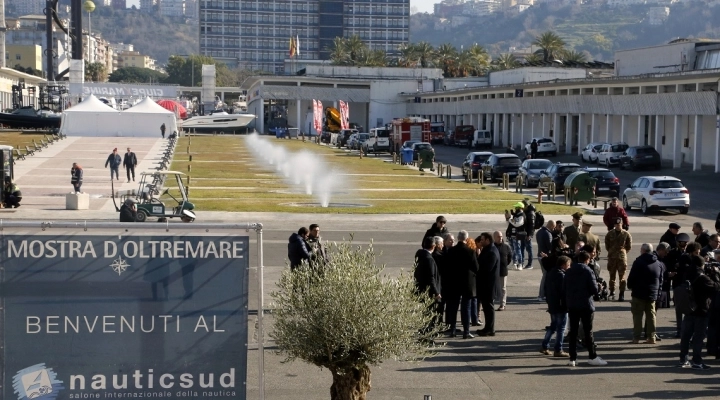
<point>217,122</point>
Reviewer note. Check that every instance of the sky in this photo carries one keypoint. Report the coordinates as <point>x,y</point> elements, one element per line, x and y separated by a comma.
<point>421,5</point>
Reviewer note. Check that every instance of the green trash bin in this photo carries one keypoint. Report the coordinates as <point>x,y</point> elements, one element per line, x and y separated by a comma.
<point>426,159</point>
<point>581,187</point>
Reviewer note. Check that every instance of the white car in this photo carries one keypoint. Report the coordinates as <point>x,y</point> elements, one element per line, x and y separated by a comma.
<point>650,193</point>
<point>610,153</point>
<point>591,151</point>
<point>546,146</point>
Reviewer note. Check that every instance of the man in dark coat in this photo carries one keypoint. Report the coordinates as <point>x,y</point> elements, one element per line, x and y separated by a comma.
<point>297,249</point>
<point>530,216</point>
<point>544,237</point>
<point>128,212</point>
<point>505,253</point>
<point>645,281</point>
<point>426,272</point>
<point>695,324</point>
<point>463,267</point>
<point>580,286</point>
<point>130,162</point>
<point>489,270</point>
<point>533,149</point>
<point>162,130</point>
<point>670,235</point>
<point>438,228</point>
<point>701,236</point>
<point>557,307</point>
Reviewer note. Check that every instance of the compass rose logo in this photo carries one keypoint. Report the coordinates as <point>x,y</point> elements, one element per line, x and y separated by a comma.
<point>119,265</point>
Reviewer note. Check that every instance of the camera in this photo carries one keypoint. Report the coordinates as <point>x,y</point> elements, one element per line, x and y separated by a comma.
<point>603,294</point>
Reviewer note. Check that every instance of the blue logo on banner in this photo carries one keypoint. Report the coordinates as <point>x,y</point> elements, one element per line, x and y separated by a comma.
<point>37,382</point>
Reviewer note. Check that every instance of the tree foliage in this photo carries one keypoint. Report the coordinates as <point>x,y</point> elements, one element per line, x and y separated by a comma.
<point>551,46</point>
<point>137,75</point>
<point>28,70</point>
<point>187,71</point>
<point>347,316</point>
<point>95,72</point>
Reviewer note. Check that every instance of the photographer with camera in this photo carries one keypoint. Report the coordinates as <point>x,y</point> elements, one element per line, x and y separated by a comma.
<point>645,280</point>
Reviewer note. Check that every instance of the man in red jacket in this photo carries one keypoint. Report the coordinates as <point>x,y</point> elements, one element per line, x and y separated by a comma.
<point>612,213</point>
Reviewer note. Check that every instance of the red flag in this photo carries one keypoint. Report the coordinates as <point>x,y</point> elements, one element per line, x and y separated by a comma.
<point>344,115</point>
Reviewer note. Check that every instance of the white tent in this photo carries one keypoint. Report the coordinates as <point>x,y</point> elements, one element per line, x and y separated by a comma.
<point>92,117</point>
<point>146,117</point>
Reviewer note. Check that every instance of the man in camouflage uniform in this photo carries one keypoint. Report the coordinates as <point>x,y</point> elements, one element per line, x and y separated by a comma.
<point>617,243</point>
<point>572,232</point>
<point>590,238</point>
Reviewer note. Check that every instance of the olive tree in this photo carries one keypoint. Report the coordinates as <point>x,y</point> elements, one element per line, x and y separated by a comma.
<point>346,315</point>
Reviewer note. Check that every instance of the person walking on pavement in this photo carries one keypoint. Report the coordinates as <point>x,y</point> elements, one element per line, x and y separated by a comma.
<point>530,216</point>
<point>76,177</point>
<point>114,160</point>
<point>557,307</point>
<point>618,243</point>
<point>533,149</point>
<point>613,213</point>
<point>572,232</point>
<point>461,285</point>
<point>544,243</point>
<point>505,253</point>
<point>670,235</point>
<point>162,130</point>
<point>645,281</point>
<point>695,323</point>
<point>580,286</point>
<point>489,268</point>
<point>130,162</point>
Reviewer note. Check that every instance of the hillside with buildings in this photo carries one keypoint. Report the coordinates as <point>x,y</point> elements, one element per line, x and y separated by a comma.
<point>596,27</point>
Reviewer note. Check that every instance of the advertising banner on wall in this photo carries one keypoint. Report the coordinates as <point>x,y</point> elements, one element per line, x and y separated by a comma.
<point>138,316</point>
<point>124,90</point>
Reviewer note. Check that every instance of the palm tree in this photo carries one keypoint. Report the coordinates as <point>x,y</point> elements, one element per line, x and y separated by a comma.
<point>406,59</point>
<point>533,59</point>
<point>465,64</point>
<point>355,46</point>
<point>339,54</point>
<point>551,45</point>
<point>446,56</point>
<point>480,59</point>
<point>376,58</point>
<point>505,61</point>
<point>573,56</point>
<point>424,52</point>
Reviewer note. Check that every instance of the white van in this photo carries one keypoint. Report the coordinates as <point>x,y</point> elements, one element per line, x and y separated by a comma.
<point>482,139</point>
<point>379,140</point>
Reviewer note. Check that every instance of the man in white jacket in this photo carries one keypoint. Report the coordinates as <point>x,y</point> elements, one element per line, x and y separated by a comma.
<point>516,233</point>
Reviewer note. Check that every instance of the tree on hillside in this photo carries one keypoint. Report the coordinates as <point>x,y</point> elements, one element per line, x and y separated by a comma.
<point>187,71</point>
<point>137,75</point>
<point>95,72</point>
<point>345,316</point>
<point>573,56</point>
<point>551,45</point>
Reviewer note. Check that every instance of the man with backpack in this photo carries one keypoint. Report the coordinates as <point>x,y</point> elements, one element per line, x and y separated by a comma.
<point>698,290</point>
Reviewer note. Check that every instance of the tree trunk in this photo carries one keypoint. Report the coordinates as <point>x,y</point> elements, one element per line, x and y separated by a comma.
<point>350,385</point>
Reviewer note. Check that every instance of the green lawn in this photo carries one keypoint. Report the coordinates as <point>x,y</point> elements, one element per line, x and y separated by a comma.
<point>224,176</point>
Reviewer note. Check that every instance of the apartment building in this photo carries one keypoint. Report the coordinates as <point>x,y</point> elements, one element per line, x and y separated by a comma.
<point>256,34</point>
<point>172,8</point>
<point>24,56</point>
<point>134,59</point>
<point>25,7</point>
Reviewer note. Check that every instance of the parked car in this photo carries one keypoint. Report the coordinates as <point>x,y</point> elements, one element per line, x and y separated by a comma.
<point>360,140</point>
<point>325,137</point>
<point>546,146</point>
<point>530,170</point>
<point>352,141</point>
<point>640,156</point>
<point>344,136</point>
<point>499,164</point>
<point>610,153</point>
<point>421,146</point>
<point>606,183</point>
<point>651,193</point>
<point>590,152</point>
<point>474,160</point>
<point>408,144</point>
<point>558,173</point>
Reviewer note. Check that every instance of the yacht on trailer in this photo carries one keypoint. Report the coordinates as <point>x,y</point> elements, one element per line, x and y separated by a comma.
<point>218,121</point>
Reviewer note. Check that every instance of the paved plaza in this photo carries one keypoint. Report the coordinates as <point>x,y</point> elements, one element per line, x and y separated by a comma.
<point>507,366</point>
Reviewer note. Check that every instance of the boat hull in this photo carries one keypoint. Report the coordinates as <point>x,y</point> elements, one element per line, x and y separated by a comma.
<point>14,121</point>
<point>230,123</point>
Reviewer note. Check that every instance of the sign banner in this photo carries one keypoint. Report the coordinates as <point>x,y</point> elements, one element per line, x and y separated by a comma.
<point>318,115</point>
<point>344,115</point>
<point>138,316</point>
<point>129,90</point>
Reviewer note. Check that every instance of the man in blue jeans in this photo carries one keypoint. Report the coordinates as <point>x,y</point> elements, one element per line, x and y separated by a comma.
<point>114,160</point>
<point>555,297</point>
<point>695,323</point>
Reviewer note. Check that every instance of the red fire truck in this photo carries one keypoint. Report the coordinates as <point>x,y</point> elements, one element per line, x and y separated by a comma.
<point>410,128</point>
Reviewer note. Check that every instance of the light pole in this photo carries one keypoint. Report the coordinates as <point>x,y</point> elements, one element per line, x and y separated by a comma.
<point>89,6</point>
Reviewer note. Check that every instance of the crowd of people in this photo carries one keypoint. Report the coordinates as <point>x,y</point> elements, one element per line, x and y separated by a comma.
<point>470,275</point>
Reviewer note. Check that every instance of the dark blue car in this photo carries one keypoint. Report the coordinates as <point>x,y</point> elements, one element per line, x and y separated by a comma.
<point>558,173</point>
<point>606,183</point>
